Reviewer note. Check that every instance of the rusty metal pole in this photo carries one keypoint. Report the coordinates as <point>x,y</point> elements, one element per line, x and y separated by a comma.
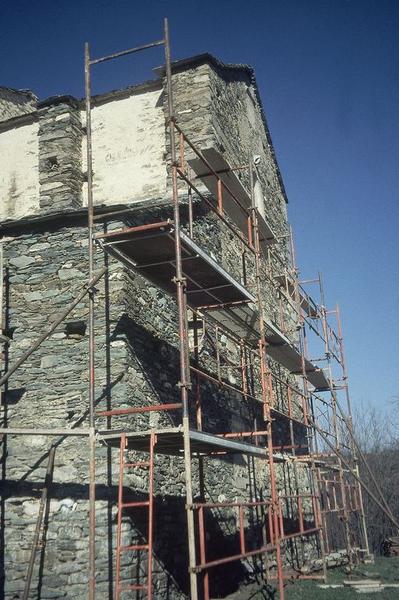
<point>307,406</point>
<point>1,315</point>
<point>337,438</point>
<point>201,467</point>
<point>350,427</point>
<point>38,529</point>
<point>1,285</point>
<point>306,395</point>
<point>275,503</point>
<point>92,439</point>
<point>181,304</point>
<point>122,449</point>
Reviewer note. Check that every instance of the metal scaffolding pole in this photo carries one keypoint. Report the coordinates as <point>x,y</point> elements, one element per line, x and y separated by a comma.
<point>307,407</point>
<point>181,283</point>
<point>337,437</point>
<point>181,301</point>
<point>275,504</point>
<point>1,314</point>
<point>92,441</point>
<point>355,448</point>
<point>39,523</point>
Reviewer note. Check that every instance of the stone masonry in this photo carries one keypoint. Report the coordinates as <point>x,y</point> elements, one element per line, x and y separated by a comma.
<point>44,242</point>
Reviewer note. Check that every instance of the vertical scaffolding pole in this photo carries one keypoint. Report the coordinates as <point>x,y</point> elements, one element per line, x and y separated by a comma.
<point>1,287</point>
<point>336,434</point>
<point>275,504</point>
<point>1,311</point>
<point>308,407</point>
<point>305,389</point>
<point>39,523</point>
<point>201,469</point>
<point>350,426</point>
<point>92,441</point>
<point>182,316</point>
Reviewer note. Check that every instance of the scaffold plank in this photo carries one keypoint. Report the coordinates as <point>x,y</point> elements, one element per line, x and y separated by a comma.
<point>229,177</point>
<point>150,249</point>
<point>170,441</point>
<point>305,302</point>
<point>243,322</point>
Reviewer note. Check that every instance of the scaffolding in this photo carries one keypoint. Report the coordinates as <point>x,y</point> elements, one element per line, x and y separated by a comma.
<point>211,303</point>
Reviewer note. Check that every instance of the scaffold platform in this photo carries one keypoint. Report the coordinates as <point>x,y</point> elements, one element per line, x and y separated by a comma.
<point>170,441</point>
<point>150,249</point>
<point>238,192</point>
<point>243,322</point>
<point>305,302</point>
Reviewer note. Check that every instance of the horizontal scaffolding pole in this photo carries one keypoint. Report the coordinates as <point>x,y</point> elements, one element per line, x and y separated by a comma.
<point>210,505</point>
<point>291,536</point>
<point>235,557</point>
<point>139,409</point>
<point>241,392</point>
<point>291,576</point>
<point>102,59</point>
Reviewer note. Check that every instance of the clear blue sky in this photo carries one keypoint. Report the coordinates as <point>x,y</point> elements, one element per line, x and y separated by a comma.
<point>328,72</point>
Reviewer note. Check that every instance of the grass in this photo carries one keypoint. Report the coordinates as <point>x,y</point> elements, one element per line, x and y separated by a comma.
<point>384,569</point>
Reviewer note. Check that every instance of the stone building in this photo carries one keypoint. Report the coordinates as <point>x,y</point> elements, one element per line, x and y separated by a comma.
<point>43,213</point>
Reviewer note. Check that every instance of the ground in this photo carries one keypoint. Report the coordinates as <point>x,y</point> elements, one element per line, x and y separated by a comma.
<point>384,569</point>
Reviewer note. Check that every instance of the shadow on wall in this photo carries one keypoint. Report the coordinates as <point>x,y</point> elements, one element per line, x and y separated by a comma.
<point>170,525</point>
<point>151,355</point>
<point>158,363</point>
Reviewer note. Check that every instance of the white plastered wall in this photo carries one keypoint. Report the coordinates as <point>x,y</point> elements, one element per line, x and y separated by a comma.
<point>19,173</point>
<point>128,137</point>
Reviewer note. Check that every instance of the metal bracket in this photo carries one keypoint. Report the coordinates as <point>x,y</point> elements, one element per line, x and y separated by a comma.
<point>182,280</point>
<point>194,569</point>
<point>188,385</point>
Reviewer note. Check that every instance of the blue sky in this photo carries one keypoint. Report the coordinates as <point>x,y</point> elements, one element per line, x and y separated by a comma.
<point>328,73</point>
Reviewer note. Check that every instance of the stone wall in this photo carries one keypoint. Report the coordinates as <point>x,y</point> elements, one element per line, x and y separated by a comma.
<point>137,362</point>
<point>60,166</point>
<point>43,152</point>
<point>218,106</point>
<point>47,266</point>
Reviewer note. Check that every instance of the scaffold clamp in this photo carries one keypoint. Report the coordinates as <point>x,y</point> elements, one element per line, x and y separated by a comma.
<point>182,280</point>
<point>184,384</point>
